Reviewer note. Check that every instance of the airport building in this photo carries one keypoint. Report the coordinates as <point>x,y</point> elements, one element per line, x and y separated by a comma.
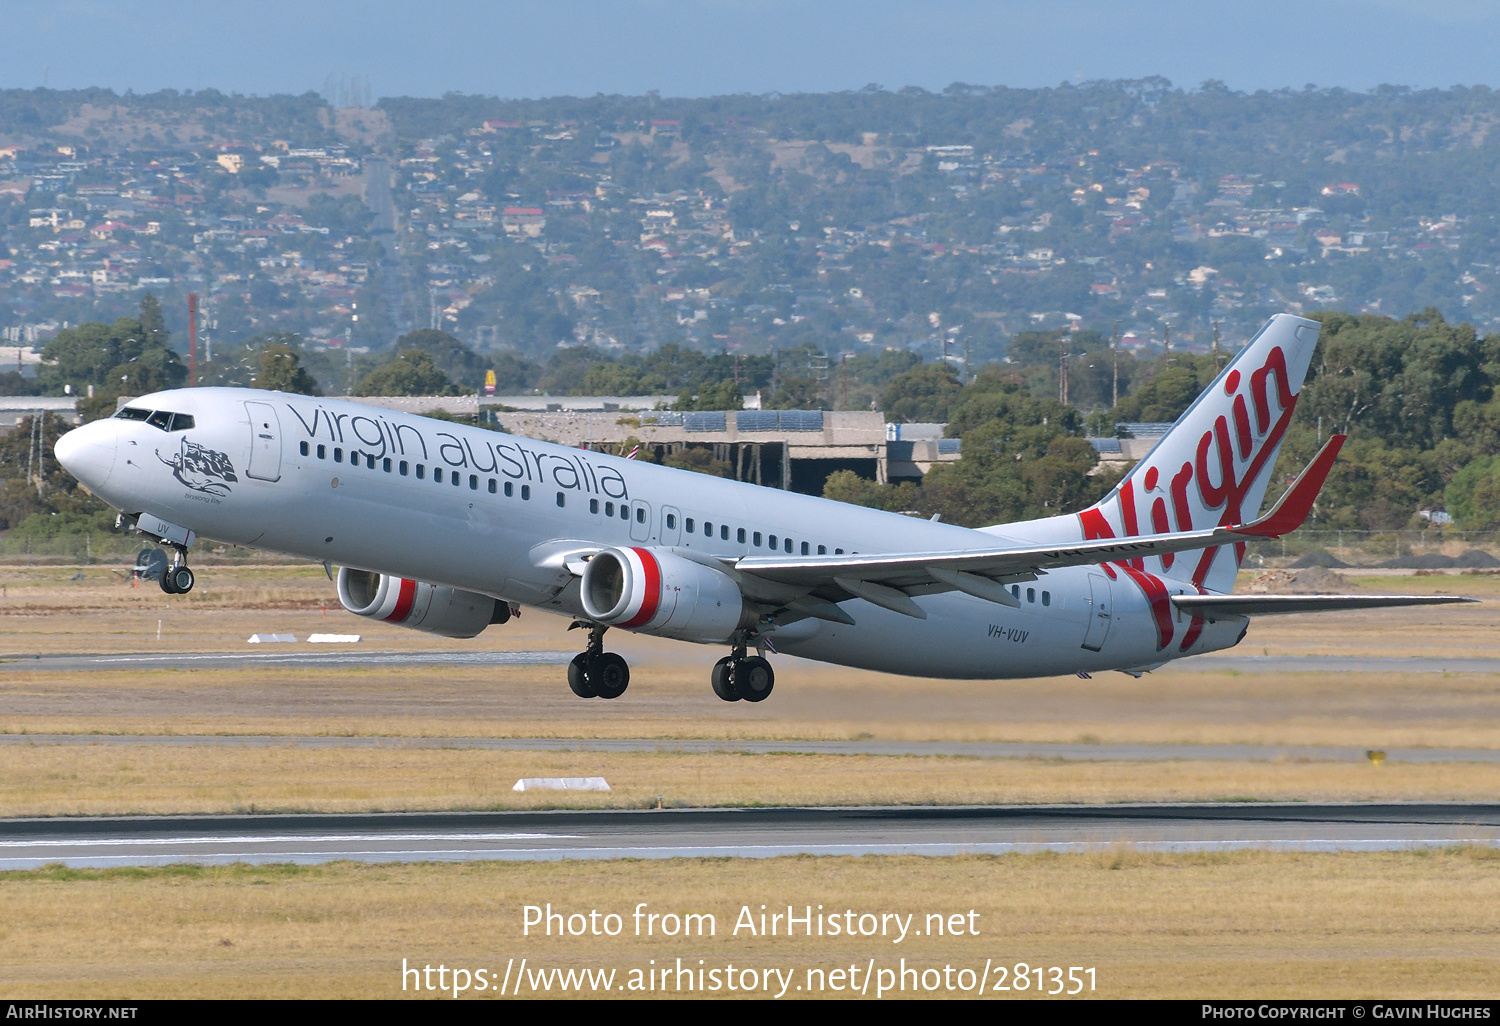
<point>789,449</point>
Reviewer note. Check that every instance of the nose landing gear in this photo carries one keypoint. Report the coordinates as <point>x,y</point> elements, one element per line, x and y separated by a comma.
<point>738,677</point>
<point>595,673</point>
<point>177,578</point>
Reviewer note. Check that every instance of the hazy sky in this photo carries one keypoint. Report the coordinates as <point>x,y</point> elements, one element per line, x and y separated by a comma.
<point>703,47</point>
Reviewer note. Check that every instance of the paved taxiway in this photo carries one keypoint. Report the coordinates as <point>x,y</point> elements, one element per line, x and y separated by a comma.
<point>341,656</point>
<point>752,833</point>
<point>279,656</point>
<point>1072,752</point>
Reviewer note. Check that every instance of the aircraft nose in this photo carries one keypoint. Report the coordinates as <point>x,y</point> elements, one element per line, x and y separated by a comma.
<point>88,452</point>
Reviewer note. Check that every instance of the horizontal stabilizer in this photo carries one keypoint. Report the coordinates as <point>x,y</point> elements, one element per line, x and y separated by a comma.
<point>1214,607</point>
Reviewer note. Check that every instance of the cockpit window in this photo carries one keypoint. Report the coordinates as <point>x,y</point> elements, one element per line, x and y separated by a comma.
<point>164,419</point>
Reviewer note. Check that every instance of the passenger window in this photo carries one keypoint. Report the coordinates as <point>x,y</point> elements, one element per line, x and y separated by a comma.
<point>671,521</point>
<point>822,550</point>
<point>403,468</point>
<point>1015,591</point>
<point>772,540</point>
<point>805,549</point>
<point>689,524</point>
<point>640,514</point>
<point>369,461</point>
<point>437,474</point>
<point>526,492</point>
<point>421,471</point>
<point>510,489</point>
<point>788,545</point>
<point>473,482</point>
<point>562,499</point>
<point>723,532</point>
<point>754,538</point>
<point>385,464</point>
<point>338,454</point>
<point>609,509</point>
<point>322,452</point>
<point>493,487</point>
<point>593,505</point>
<point>1046,598</point>
<point>740,536</point>
<point>1030,594</point>
<point>838,552</point>
<point>182,421</point>
<point>160,419</point>
<point>303,448</point>
<point>624,512</point>
<point>353,457</point>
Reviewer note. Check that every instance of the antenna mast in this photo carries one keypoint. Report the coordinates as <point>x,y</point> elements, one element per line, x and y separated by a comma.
<point>192,339</point>
<point>1114,349</point>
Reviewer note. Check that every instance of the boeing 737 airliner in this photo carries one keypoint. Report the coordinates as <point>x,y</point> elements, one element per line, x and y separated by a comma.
<point>450,529</point>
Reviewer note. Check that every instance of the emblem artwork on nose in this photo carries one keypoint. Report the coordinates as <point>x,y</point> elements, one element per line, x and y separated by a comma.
<point>201,469</point>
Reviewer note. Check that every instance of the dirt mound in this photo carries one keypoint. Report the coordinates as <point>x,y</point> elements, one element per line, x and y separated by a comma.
<point>1422,561</point>
<point>1476,559</point>
<point>1312,580</point>
<point>1319,557</point>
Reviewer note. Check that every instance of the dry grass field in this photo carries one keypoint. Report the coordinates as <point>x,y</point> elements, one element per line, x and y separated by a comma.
<point>1245,924</point>
<point>45,610</point>
<point>58,780</point>
<point>1412,924</point>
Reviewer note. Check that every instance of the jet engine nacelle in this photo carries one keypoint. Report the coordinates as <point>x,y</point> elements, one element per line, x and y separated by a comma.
<point>656,592</point>
<point>434,608</point>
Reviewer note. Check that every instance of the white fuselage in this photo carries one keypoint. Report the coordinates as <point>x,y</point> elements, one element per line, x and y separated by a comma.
<point>493,513</point>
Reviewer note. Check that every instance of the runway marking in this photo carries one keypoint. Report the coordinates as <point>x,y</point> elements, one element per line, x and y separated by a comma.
<point>754,851</point>
<point>287,838</point>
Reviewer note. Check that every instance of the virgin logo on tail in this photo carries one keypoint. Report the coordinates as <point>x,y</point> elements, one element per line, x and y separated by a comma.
<point>1210,470</point>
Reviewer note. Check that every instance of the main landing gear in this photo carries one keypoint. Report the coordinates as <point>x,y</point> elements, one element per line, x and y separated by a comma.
<point>177,579</point>
<point>739,677</point>
<point>595,673</point>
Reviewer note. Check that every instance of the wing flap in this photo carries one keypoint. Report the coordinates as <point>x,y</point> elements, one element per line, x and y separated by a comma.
<point>1214,607</point>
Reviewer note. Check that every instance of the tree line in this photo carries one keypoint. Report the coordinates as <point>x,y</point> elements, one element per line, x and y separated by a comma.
<point>1418,397</point>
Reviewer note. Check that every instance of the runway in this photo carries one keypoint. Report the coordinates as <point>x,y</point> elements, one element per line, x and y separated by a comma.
<point>740,833</point>
<point>279,656</point>
<point>1068,752</point>
<point>321,656</point>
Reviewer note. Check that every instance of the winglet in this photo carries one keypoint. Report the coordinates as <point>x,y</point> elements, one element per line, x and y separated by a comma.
<point>1297,501</point>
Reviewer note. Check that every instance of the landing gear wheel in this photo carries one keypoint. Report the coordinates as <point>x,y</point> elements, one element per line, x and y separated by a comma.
<point>723,680</point>
<point>166,582</point>
<point>181,578</point>
<point>609,674</point>
<point>754,679</point>
<point>578,677</point>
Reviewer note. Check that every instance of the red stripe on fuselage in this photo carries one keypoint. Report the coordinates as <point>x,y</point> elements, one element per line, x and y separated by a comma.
<point>404,600</point>
<point>651,581</point>
<point>1161,604</point>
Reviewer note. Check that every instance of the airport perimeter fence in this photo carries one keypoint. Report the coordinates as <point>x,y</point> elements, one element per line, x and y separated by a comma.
<point>112,549</point>
<point>1434,548</point>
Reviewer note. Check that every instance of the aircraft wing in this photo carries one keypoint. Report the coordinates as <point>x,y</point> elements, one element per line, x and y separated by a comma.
<point>881,577</point>
<point>1219,607</point>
